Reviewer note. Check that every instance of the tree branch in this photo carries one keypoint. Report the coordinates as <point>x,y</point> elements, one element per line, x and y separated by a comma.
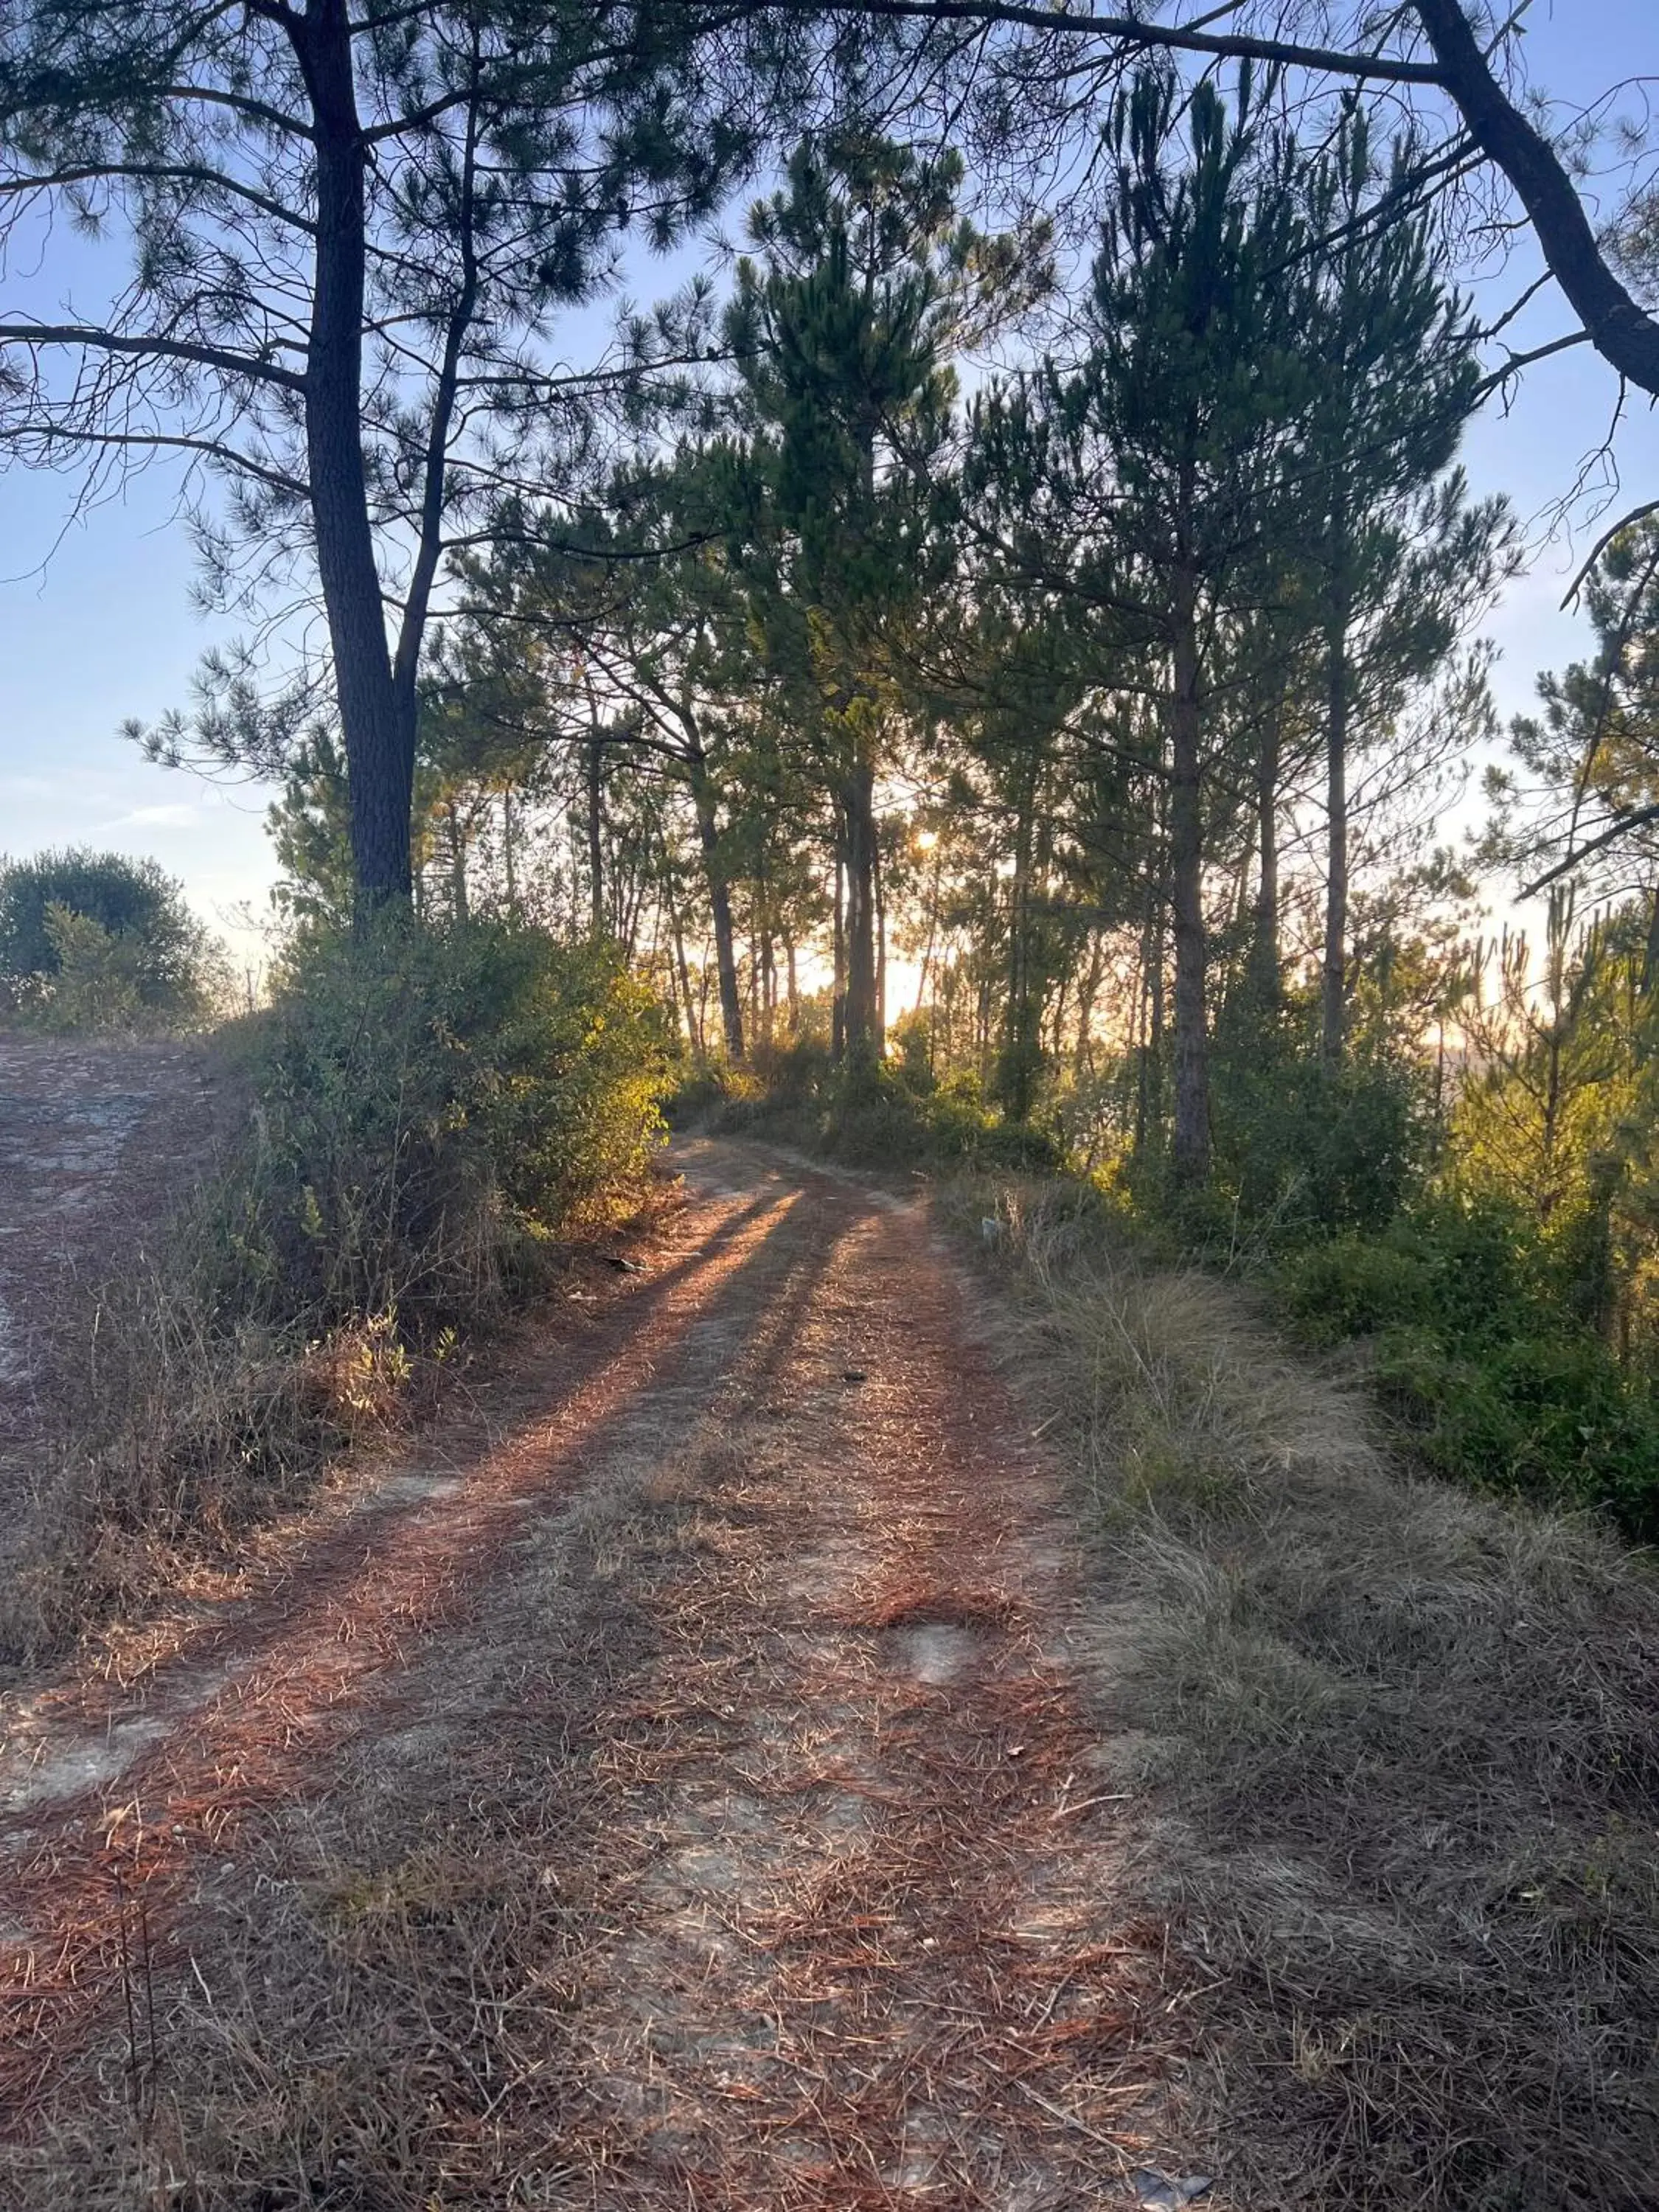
<point>142,172</point>
<point>153,348</point>
<point>1130,31</point>
<point>1624,522</point>
<point>1621,827</point>
<point>1619,330</point>
<point>214,448</point>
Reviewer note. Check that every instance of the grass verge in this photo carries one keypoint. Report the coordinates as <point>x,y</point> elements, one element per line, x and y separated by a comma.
<point>1406,1740</point>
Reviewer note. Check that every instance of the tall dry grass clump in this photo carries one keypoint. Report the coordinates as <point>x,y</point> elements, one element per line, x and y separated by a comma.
<point>429,1112</point>
<point>1405,1744</point>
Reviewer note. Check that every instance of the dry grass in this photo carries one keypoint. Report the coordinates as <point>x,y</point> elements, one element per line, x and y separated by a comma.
<point>189,1407</point>
<point>1407,1745</point>
<point>173,1426</point>
<point>396,2026</point>
<point>671,1872</point>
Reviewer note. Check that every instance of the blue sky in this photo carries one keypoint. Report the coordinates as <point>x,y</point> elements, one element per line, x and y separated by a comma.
<point>105,627</point>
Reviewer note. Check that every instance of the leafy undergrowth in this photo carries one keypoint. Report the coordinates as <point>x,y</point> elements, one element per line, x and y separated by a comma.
<point>1473,1345</point>
<point>1406,1739</point>
<point>1475,1334</point>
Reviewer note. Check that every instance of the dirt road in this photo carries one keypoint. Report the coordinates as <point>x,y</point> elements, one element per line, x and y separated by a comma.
<point>672,1783</point>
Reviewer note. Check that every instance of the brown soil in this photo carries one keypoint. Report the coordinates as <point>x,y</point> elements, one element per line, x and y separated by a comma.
<point>98,1141</point>
<point>670,1784</point>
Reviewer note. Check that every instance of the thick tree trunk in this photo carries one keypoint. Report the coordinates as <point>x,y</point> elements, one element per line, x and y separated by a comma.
<point>720,907</point>
<point>1264,936</point>
<point>509,860</point>
<point>595,835</point>
<point>380,736</point>
<point>1620,331</point>
<point>1191,1149</point>
<point>838,988</point>
<point>1333,1005</point>
<point>862,1043</point>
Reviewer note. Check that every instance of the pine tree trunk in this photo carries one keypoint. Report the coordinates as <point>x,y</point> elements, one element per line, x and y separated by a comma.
<point>677,938</point>
<point>878,885</point>
<point>379,733</point>
<point>932,929</point>
<point>1191,1148</point>
<point>1149,1086</point>
<point>595,835</point>
<point>1332,1025</point>
<point>457,867</point>
<point>1083,1056</point>
<point>1020,1043</point>
<point>768,980</point>
<point>1264,938</point>
<point>862,1041</point>
<point>720,907</point>
<point>838,991</point>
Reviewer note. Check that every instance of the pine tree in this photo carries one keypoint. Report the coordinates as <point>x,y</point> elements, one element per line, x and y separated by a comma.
<point>348,234</point>
<point>865,278</point>
<point>1147,484</point>
<point>1398,558</point>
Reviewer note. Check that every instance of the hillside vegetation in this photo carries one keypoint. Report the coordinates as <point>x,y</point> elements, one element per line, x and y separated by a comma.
<point>426,1120</point>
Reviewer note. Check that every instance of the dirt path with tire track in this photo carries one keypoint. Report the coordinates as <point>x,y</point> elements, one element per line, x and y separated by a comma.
<point>674,1783</point>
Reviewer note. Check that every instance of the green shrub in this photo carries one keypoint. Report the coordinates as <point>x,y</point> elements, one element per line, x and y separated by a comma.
<point>94,941</point>
<point>428,1108</point>
<point>1547,1417</point>
<point>1354,1287</point>
<point>430,1099</point>
<point>1500,1386</point>
<point>99,982</point>
<point>790,1075</point>
<point>1309,1152</point>
<point>879,1117</point>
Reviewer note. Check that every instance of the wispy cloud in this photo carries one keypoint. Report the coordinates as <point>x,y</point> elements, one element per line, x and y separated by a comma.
<point>180,816</point>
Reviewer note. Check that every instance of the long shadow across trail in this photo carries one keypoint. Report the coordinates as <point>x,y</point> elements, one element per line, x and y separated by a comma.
<point>258,1710</point>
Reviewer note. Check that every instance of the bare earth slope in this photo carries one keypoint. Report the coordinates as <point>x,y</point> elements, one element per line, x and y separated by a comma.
<point>669,1784</point>
<point>97,1140</point>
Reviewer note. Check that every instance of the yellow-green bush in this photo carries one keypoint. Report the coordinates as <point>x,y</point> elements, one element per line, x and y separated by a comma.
<point>432,1099</point>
